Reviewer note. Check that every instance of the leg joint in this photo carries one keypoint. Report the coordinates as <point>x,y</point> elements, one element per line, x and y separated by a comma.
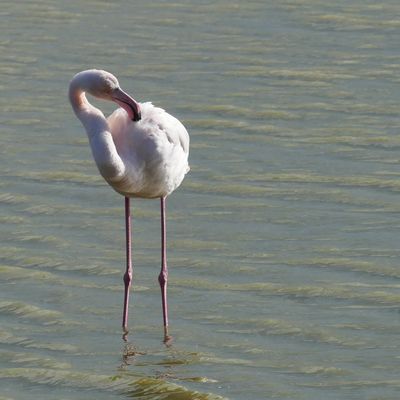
<point>163,278</point>
<point>128,277</point>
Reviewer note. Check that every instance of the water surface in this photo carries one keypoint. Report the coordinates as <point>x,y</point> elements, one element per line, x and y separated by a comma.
<point>283,239</point>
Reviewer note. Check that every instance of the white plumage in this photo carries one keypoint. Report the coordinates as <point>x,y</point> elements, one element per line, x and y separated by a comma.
<point>147,157</point>
<point>154,151</point>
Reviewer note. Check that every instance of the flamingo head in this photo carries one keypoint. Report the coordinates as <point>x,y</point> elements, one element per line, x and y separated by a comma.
<point>105,86</point>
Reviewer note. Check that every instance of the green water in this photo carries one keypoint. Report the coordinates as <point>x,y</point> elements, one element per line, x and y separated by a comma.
<point>283,239</point>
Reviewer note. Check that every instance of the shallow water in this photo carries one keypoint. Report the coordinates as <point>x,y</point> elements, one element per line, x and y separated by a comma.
<point>283,239</point>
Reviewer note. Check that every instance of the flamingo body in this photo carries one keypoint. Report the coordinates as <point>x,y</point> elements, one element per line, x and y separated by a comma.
<point>154,151</point>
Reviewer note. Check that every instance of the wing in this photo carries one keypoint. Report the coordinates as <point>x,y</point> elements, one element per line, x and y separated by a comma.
<point>155,150</point>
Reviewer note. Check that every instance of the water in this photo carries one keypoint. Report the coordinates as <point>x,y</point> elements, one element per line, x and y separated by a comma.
<point>283,239</point>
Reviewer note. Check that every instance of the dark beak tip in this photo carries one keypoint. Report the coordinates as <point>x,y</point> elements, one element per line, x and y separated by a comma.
<point>137,116</point>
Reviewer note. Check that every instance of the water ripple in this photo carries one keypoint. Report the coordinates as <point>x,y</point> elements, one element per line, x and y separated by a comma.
<point>30,311</point>
<point>137,387</point>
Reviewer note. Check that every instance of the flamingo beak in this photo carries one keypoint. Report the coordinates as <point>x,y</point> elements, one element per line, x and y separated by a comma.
<point>130,105</point>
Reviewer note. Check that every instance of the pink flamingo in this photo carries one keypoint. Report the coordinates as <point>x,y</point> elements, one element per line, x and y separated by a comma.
<point>140,150</point>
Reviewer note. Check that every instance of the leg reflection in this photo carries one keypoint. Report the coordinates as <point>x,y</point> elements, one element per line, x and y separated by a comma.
<point>129,353</point>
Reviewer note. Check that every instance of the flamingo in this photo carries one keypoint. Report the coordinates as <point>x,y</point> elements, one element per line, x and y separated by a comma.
<point>140,150</point>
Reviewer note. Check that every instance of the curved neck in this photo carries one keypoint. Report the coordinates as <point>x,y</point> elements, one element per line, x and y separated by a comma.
<point>108,161</point>
<point>91,117</point>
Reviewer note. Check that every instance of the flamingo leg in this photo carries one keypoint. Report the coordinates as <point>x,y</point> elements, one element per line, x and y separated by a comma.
<point>129,272</point>
<point>163,277</point>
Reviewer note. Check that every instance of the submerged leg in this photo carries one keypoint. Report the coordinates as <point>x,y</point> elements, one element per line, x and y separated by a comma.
<point>163,277</point>
<point>129,272</point>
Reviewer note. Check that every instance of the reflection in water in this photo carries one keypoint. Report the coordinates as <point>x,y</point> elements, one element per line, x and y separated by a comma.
<point>165,366</point>
<point>129,354</point>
